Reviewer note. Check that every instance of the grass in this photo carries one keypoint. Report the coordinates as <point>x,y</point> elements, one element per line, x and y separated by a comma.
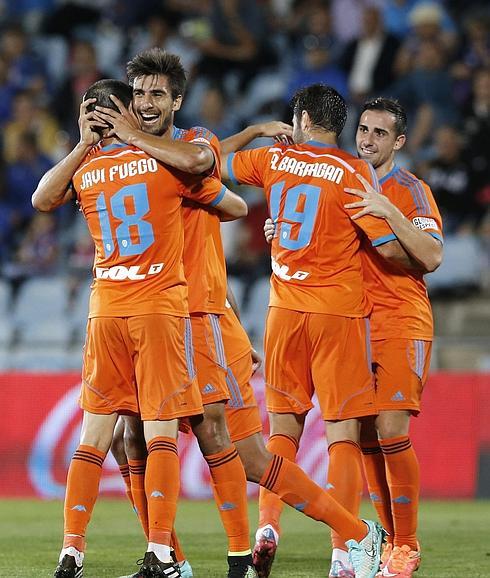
<point>455,537</point>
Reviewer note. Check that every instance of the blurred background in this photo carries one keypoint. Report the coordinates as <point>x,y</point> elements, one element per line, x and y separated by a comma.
<point>245,58</point>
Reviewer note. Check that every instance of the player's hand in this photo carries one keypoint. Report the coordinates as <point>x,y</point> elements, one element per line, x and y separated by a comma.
<point>280,131</point>
<point>372,203</point>
<point>269,230</point>
<point>87,124</point>
<point>256,361</point>
<point>123,121</point>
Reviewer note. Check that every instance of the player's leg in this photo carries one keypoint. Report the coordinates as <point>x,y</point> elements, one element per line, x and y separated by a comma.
<point>341,370</point>
<point>344,482</point>
<point>117,450</point>
<point>107,388</point>
<point>228,477</point>
<point>167,391</point>
<point>375,474</point>
<point>402,371</point>
<point>286,431</point>
<point>289,390</point>
<point>82,488</point>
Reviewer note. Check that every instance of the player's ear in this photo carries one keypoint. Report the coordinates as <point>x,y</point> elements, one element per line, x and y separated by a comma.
<point>177,103</point>
<point>400,141</point>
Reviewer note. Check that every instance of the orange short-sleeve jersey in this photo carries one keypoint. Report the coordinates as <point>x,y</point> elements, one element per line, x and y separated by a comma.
<point>204,260</point>
<point>316,260</point>
<point>132,204</point>
<point>401,307</point>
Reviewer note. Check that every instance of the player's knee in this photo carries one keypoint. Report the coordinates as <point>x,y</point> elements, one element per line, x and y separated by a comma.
<point>255,464</point>
<point>117,449</point>
<point>393,424</point>
<point>210,430</point>
<point>134,443</point>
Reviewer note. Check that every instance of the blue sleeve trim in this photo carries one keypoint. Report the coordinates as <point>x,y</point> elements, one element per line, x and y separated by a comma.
<point>437,236</point>
<point>229,166</point>
<point>220,196</point>
<point>383,240</point>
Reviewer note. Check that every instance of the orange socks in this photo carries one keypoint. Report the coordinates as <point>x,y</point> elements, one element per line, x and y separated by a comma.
<point>344,480</point>
<point>270,505</point>
<point>137,470</point>
<point>294,487</point>
<point>82,488</point>
<point>229,484</point>
<point>379,492</point>
<point>162,485</point>
<point>124,469</point>
<point>403,476</point>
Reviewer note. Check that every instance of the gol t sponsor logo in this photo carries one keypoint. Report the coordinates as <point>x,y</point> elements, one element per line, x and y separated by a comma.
<point>121,273</point>
<point>282,271</point>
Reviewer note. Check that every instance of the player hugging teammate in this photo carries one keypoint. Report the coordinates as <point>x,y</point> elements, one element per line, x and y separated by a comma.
<point>164,350</point>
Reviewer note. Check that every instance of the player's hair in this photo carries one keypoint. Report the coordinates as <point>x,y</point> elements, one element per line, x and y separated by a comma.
<point>324,105</point>
<point>392,106</point>
<point>102,89</point>
<point>156,61</point>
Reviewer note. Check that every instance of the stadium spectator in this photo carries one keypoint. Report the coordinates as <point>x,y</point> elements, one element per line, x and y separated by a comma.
<point>426,20</point>
<point>369,60</point>
<point>237,44</point>
<point>83,72</point>
<point>426,93</point>
<point>30,116</point>
<point>452,181</point>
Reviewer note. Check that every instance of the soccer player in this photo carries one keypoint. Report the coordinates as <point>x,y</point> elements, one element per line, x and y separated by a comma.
<point>138,351</point>
<point>401,328</point>
<point>401,333</point>
<point>158,81</point>
<point>316,337</point>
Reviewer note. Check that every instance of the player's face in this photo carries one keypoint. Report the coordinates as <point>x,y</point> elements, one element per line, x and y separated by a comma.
<point>376,137</point>
<point>153,103</point>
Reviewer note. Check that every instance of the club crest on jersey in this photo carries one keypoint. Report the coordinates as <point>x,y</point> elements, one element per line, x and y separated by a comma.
<point>122,273</point>
<point>282,271</point>
<point>424,223</point>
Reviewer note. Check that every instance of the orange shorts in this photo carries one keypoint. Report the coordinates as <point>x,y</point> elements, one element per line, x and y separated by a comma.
<point>140,365</point>
<point>242,412</point>
<point>209,358</point>
<point>400,369</point>
<point>307,353</point>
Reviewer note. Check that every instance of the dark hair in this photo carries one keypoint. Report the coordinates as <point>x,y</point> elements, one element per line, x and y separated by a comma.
<point>102,89</point>
<point>393,107</point>
<point>157,61</point>
<point>325,106</point>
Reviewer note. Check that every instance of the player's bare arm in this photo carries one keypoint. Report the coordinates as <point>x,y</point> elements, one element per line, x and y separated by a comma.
<point>231,206</point>
<point>423,251</point>
<point>274,129</point>
<point>54,188</point>
<point>188,157</point>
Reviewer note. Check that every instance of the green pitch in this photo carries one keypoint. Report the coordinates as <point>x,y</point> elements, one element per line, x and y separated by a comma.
<point>455,538</point>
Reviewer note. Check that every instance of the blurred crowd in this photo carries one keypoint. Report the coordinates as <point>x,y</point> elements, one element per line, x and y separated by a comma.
<point>244,58</point>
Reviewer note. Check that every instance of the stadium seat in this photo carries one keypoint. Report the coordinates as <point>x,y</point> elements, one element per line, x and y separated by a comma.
<point>37,358</point>
<point>39,299</point>
<point>5,296</point>
<point>79,313</point>
<point>7,331</point>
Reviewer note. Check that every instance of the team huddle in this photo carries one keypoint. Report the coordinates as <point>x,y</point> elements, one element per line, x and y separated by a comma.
<point>349,320</point>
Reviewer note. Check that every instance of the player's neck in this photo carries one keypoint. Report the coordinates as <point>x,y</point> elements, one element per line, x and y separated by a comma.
<point>385,168</point>
<point>329,138</point>
<point>110,141</point>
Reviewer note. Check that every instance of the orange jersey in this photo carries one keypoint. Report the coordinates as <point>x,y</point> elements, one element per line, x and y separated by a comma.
<point>132,204</point>
<point>235,338</point>
<point>316,260</point>
<point>204,261</point>
<point>401,305</point>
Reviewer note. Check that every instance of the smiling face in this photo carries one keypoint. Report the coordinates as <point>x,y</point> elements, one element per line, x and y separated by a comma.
<point>153,103</point>
<point>377,139</point>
